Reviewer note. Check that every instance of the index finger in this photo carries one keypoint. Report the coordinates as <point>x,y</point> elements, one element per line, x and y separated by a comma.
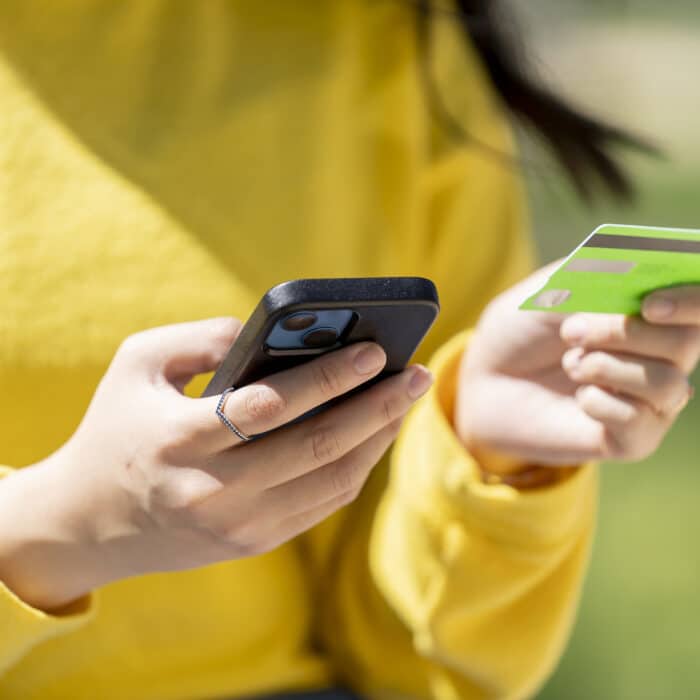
<point>677,344</point>
<point>673,305</point>
<point>280,398</point>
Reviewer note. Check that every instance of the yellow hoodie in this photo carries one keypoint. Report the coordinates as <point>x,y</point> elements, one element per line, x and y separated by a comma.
<point>166,161</point>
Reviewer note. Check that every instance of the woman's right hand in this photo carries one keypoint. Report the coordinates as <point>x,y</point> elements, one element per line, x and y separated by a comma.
<point>151,480</point>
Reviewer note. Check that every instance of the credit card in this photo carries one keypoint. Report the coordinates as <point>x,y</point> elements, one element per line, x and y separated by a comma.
<point>617,266</point>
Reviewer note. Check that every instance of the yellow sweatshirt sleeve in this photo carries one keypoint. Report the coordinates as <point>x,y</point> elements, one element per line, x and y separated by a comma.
<point>22,627</point>
<point>462,589</point>
<point>492,575</point>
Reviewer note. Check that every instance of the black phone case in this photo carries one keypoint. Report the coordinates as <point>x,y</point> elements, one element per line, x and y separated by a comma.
<point>395,312</point>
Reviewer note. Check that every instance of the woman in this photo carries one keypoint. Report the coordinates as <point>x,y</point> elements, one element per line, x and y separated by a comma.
<point>163,165</point>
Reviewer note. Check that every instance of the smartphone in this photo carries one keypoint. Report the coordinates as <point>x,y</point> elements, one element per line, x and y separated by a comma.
<point>299,320</point>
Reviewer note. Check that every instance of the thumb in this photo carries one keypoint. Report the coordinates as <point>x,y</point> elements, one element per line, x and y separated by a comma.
<point>180,350</point>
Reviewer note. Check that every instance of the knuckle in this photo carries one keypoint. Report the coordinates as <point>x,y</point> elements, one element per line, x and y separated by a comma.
<point>174,425</point>
<point>629,443</point>
<point>390,408</point>
<point>395,427</point>
<point>223,332</point>
<point>689,349</point>
<point>227,328</point>
<point>343,478</point>
<point>327,377</point>
<point>171,502</point>
<point>131,345</point>
<point>669,386</point>
<point>630,417</point>
<point>656,439</point>
<point>349,496</point>
<point>599,442</point>
<point>263,404</point>
<point>635,451</point>
<point>263,546</point>
<point>174,439</point>
<point>179,494</point>
<point>244,536</point>
<point>214,530</point>
<point>586,395</point>
<point>596,366</point>
<point>612,446</point>
<point>664,375</point>
<point>246,549</point>
<point>694,338</point>
<point>621,329</point>
<point>324,444</point>
<point>643,439</point>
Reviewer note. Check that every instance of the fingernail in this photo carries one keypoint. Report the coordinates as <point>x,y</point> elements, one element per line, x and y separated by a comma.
<point>571,361</point>
<point>420,382</point>
<point>574,329</point>
<point>659,308</point>
<point>369,359</point>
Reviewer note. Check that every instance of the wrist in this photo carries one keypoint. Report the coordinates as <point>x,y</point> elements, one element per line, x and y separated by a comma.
<point>494,462</point>
<point>500,467</point>
<point>43,558</point>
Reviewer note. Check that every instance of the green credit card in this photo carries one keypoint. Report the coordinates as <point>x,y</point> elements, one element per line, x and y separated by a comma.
<point>616,266</point>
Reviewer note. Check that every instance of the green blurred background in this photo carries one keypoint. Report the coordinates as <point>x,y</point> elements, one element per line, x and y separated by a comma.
<point>638,630</point>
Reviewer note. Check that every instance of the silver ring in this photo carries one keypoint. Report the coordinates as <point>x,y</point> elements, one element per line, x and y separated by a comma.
<point>225,420</point>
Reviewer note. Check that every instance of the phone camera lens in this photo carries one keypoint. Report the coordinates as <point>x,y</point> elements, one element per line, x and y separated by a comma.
<point>299,321</point>
<point>320,337</point>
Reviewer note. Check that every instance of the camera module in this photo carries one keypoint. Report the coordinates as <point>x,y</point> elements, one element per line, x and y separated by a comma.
<point>320,337</point>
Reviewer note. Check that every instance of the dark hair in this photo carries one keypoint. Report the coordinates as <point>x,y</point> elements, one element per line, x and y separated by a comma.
<point>581,143</point>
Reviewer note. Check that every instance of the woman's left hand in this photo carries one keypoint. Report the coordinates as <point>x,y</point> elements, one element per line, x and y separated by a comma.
<point>547,388</point>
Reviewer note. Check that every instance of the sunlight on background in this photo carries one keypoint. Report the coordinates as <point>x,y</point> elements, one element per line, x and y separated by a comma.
<point>637,64</point>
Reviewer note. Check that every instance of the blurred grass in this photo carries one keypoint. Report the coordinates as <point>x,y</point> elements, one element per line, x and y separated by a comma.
<point>636,635</point>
